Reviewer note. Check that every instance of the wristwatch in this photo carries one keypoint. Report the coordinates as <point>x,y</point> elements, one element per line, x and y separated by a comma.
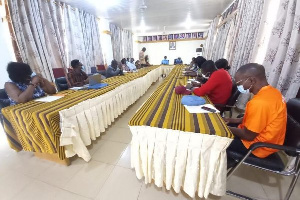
<point>34,85</point>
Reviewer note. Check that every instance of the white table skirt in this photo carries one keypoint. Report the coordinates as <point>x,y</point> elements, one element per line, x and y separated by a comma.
<point>85,121</point>
<point>192,161</point>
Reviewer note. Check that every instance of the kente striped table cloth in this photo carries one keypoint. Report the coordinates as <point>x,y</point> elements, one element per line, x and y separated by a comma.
<point>37,126</point>
<point>172,146</point>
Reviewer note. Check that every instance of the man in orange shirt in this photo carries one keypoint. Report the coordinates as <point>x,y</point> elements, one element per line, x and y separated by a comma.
<point>265,115</point>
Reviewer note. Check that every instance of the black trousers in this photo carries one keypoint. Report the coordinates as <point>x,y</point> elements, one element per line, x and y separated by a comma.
<point>235,146</point>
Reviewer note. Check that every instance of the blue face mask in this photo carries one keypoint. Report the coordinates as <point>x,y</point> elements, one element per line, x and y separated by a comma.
<point>83,68</point>
<point>242,89</point>
<point>33,74</point>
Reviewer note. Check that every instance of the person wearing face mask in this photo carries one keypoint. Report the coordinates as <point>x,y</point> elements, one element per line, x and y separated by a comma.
<point>25,85</point>
<point>218,85</point>
<point>265,115</point>
<point>77,77</point>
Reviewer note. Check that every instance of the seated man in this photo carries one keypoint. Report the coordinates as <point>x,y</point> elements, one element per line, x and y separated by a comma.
<point>222,63</point>
<point>131,66</point>
<point>218,86</point>
<point>192,65</point>
<point>114,69</point>
<point>178,61</point>
<point>76,76</point>
<point>24,85</point>
<point>138,64</point>
<point>265,115</point>
<point>165,61</point>
<point>198,62</point>
<point>124,66</point>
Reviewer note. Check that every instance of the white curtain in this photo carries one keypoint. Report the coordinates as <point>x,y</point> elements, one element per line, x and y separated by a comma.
<point>220,43</point>
<point>116,41</point>
<point>246,29</point>
<point>282,58</point>
<point>209,42</point>
<point>121,42</point>
<point>127,44</point>
<point>91,37</point>
<point>49,35</point>
<point>29,19</point>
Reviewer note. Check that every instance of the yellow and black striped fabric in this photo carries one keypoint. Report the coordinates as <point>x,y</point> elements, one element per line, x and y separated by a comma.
<point>34,126</point>
<point>164,110</point>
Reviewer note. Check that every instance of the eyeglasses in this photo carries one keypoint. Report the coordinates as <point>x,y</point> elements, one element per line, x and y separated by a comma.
<point>242,80</point>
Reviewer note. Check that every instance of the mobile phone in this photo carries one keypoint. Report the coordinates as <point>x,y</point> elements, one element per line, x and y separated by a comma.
<point>208,109</point>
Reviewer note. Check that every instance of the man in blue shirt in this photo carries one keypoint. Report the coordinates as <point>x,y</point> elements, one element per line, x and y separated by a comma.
<point>165,61</point>
<point>178,61</point>
<point>131,66</point>
<point>113,69</point>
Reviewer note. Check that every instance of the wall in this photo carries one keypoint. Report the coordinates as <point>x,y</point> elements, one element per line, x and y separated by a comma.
<point>6,52</point>
<point>156,51</point>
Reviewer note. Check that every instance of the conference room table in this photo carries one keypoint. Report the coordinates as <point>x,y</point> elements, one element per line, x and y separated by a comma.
<point>175,148</point>
<point>63,128</point>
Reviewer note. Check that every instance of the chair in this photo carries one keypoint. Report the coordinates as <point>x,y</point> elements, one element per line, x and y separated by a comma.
<point>235,93</point>
<point>274,163</point>
<point>4,102</point>
<point>101,68</point>
<point>61,83</point>
<point>94,70</point>
<point>58,72</point>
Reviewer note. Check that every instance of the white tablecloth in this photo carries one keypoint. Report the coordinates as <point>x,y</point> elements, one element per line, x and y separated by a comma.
<point>192,161</point>
<point>85,121</point>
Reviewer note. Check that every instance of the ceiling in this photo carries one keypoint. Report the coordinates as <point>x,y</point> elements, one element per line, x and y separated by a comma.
<point>159,16</point>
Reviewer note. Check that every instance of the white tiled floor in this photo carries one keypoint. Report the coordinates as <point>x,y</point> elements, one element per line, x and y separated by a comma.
<point>108,175</point>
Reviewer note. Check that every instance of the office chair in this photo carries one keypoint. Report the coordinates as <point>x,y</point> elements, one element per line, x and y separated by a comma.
<point>274,163</point>
<point>61,83</point>
<point>235,93</point>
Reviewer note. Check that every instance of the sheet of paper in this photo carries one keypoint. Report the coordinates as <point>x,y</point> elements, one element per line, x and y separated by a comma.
<point>198,109</point>
<point>48,98</point>
<point>76,88</point>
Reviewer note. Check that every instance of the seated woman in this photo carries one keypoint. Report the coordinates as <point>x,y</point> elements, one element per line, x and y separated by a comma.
<point>222,64</point>
<point>24,85</point>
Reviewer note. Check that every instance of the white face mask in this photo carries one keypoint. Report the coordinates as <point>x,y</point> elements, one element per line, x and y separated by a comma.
<point>204,76</point>
<point>83,68</point>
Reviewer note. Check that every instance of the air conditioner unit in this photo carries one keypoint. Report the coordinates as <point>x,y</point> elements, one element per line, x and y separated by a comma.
<point>199,51</point>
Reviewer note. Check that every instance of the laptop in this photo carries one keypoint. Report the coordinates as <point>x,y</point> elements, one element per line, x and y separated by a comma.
<point>95,79</point>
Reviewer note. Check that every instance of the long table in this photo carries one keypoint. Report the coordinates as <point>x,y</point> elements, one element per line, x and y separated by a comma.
<point>174,147</point>
<point>50,128</point>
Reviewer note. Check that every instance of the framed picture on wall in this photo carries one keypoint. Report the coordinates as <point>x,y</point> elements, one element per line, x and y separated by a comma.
<point>182,36</point>
<point>164,37</point>
<point>172,45</point>
<point>159,37</point>
<point>200,34</point>
<point>194,35</point>
<point>176,36</point>
<point>170,37</point>
<point>188,35</point>
<point>149,38</point>
<point>154,38</point>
